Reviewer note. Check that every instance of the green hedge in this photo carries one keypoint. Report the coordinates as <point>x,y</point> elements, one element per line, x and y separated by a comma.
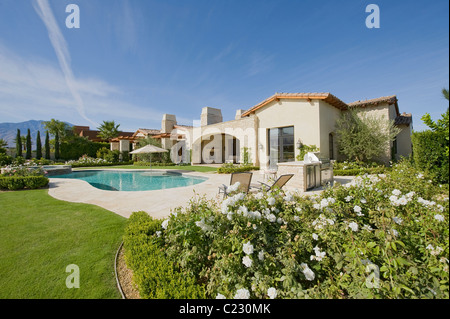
<point>21,182</point>
<point>360,171</point>
<point>429,154</point>
<point>141,163</point>
<point>230,168</point>
<point>77,147</point>
<point>156,277</point>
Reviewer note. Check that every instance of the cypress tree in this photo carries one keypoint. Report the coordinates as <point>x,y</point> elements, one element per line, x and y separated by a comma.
<point>18,144</point>
<point>57,145</point>
<point>47,146</point>
<point>38,146</point>
<point>28,143</point>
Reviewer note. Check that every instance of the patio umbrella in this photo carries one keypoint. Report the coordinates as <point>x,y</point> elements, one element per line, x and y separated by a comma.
<point>149,149</point>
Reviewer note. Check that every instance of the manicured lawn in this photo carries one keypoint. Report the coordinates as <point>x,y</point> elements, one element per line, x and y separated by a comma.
<point>203,169</point>
<point>40,236</point>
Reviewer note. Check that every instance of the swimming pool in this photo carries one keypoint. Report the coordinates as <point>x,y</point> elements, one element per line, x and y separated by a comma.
<point>131,181</point>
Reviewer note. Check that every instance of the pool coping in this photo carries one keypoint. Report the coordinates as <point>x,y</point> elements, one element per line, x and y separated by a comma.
<point>157,203</point>
<point>169,171</point>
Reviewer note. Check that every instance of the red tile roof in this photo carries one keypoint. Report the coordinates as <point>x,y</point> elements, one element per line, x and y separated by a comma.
<point>147,132</point>
<point>374,102</point>
<point>403,119</point>
<point>328,97</point>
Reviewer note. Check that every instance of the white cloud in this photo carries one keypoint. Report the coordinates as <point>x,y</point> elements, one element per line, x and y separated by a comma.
<point>33,88</point>
<point>44,11</point>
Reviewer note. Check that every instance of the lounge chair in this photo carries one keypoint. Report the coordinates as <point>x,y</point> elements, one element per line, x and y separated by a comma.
<point>244,180</point>
<point>280,182</point>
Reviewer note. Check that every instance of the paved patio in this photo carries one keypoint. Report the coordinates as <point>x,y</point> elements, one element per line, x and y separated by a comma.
<point>157,203</point>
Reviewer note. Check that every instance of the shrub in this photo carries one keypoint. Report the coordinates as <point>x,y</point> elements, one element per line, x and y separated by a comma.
<point>359,171</point>
<point>344,165</point>
<point>112,156</point>
<point>101,153</point>
<point>304,149</point>
<point>86,161</point>
<point>21,182</point>
<point>23,171</point>
<point>19,160</point>
<point>156,276</point>
<point>42,161</point>
<point>74,147</point>
<point>246,156</point>
<point>322,246</point>
<point>229,168</point>
<point>141,163</point>
<point>429,153</point>
<point>5,159</point>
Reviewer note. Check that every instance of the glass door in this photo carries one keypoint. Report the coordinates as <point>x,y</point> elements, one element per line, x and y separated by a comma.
<point>281,145</point>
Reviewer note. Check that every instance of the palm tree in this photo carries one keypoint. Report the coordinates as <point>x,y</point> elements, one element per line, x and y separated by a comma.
<point>3,143</point>
<point>108,130</point>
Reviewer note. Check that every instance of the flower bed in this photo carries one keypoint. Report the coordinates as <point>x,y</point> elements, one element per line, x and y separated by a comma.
<point>86,161</point>
<point>377,237</point>
<point>21,177</point>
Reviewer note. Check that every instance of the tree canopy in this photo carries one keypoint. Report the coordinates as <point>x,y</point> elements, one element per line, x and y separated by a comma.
<point>108,130</point>
<point>362,137</point>
<point>440,125</point>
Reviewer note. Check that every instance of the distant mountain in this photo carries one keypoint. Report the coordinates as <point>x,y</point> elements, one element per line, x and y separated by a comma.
<point>8,131</point>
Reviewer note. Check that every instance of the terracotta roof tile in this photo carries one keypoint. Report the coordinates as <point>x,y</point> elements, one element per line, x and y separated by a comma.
<point>328,97</point>
<point>372,102</point>
<point>403,119</point>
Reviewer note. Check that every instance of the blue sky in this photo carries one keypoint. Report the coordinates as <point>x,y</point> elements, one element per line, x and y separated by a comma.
<point>133,60</point>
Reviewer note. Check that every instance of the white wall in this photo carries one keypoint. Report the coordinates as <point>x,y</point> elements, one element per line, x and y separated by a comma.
<point>301,114</point>
<point>328,117</point>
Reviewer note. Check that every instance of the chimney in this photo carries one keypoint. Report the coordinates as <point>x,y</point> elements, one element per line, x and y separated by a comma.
<point>168,122</point>
<point>239,114</point>
<point>210,116</point>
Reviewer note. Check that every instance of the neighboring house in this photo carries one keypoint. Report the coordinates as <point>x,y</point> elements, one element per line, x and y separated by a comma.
<point>85,131</point>
<point>127,141</point>
<point>273,130</point>
<point>93,135</point>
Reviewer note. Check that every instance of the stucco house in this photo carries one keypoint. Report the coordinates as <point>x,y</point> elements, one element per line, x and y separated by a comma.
<point>127,142</point>
<point>272,130</point>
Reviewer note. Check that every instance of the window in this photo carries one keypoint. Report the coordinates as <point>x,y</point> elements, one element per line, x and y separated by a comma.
<point>281,145</point>
<point>331,146</point>
<point>394,149</point>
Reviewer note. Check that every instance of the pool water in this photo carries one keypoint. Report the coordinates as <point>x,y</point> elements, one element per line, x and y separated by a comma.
<point>131,181</point>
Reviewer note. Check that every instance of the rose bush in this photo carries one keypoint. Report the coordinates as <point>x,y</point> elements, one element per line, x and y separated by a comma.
<point>380,236</point>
